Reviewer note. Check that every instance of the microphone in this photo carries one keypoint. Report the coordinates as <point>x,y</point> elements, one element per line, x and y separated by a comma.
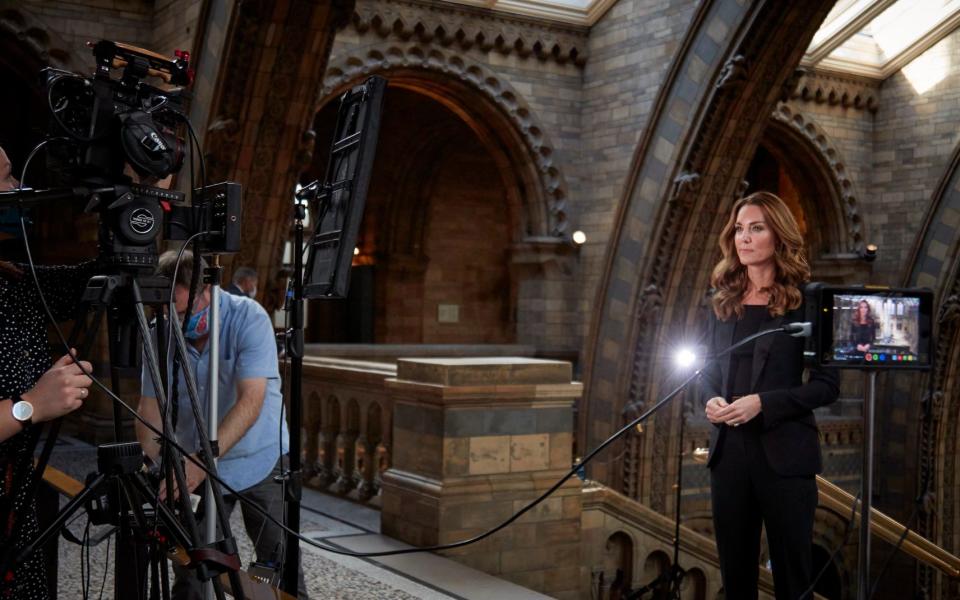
<point>799,329</point>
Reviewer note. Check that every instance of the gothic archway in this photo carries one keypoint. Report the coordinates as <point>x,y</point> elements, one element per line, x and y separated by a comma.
<point>687,169</point>
<point>935,263</point>
<point>488,104</point>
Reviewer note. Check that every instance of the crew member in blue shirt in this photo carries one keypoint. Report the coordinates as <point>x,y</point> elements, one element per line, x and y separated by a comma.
<point>252,437</point>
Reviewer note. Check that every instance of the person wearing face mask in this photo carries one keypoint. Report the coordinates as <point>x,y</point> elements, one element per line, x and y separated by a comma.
<point>252,436</point>
<point>764,446</point>
<point>244,283</point>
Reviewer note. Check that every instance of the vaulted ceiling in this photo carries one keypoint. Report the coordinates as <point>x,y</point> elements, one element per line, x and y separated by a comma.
<point>877,38</point>
<point>868,38</point>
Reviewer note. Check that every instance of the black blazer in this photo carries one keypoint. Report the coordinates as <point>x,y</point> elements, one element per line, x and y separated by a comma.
<point>790,437</point>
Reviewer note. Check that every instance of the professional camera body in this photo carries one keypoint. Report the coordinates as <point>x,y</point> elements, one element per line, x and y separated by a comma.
<point>122,139</point>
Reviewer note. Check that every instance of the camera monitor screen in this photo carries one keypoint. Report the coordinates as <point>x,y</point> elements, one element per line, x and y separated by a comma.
<point>867,328</point>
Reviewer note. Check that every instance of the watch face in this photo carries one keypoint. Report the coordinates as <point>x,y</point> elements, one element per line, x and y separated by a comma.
<point>22,411</point>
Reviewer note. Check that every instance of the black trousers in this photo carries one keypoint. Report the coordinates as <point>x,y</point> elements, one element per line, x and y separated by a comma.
<point>747,494</point>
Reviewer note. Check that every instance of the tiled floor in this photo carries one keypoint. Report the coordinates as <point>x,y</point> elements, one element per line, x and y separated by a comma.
<point>325,519</point>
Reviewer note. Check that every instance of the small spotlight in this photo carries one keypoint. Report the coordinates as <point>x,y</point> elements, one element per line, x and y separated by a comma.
<point>869,253</point>
<point>685,358</point>
<point>579,237</point>
<point>356,251</point>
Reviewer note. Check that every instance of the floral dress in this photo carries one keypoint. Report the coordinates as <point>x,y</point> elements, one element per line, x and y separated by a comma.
<point>25,355</point>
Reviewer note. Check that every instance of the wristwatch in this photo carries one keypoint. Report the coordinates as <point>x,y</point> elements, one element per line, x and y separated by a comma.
<point>22,411</point>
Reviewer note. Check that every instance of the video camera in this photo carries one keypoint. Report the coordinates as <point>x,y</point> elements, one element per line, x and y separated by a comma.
<point>113,139</point>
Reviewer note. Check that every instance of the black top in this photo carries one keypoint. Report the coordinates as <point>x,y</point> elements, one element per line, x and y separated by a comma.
<point>863,333</point>
<point>24,356</point>
<point>741,359</point>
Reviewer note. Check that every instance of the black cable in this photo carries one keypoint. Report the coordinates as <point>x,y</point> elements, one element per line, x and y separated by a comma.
<point>836,551</point>
<point>106,567</point>
<point>85,560</point>
<point>896,548</point>
<point>571,473</point>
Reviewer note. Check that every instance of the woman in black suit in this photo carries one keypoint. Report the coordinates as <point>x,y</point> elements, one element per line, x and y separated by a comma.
<point>863,327</point>
<point>765,447</point>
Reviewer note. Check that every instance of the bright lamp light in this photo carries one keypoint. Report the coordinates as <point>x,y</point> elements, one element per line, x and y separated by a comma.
<point>685,358</point>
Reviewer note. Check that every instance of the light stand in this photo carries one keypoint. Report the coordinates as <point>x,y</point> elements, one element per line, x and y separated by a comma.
<point>213,408</point>
<point>672,577</point>
<point>866,488</point>
<point>340,196</point>
<point>293,477</point>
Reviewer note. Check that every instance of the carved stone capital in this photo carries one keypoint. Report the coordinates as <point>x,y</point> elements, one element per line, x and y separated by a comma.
<point>837,90</point>
<point>445,25</point>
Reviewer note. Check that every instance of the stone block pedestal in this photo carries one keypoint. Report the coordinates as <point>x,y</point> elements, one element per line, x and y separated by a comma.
<point>476,439</point>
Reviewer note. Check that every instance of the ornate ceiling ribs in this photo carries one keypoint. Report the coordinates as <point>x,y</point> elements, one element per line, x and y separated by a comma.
<point>465,28</point>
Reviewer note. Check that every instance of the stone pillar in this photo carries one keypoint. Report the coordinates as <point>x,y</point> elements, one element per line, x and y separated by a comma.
<point>474,440</point>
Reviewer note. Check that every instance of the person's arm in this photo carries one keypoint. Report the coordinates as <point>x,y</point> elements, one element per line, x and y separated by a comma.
<point>61,389</point>
<point>711,377</point>
<point>9,426</point>
<point>241,417</point>
<point>238,420</point>
<point>822,388</point>
<point>150,411</point>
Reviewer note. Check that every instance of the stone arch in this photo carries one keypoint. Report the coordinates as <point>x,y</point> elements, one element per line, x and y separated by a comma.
<point>687,169</point>
<point>694,585</point>
<point>793,131</point>
<point>45,46</point>
<point>830,531</point>
<point>618,567</point>
<point>654,565</point>
<point>935,263</point>
<point>539,170</point>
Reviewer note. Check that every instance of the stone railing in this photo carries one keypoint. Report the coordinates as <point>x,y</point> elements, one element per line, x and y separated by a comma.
<point>348,410</point>
<point>619,531</point>
<point>348,423</point>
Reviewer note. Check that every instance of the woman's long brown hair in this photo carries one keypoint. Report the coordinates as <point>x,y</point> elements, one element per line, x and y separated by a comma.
<point>729,279</point>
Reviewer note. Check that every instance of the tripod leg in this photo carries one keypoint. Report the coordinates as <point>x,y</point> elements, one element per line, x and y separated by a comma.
<point>229,542</point>
<point>151,363</point>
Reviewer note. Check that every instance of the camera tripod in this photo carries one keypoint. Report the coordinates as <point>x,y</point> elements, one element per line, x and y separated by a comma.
<point>122,297</point>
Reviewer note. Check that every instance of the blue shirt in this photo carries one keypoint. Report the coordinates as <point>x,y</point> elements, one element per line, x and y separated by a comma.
<point>247,350</point>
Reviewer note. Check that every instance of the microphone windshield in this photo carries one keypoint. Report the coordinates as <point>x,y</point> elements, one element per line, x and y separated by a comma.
<point>799,329</point>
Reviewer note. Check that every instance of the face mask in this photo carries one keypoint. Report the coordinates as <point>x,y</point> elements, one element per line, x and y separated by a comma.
<point>252,293</point>
<point>199,325</point>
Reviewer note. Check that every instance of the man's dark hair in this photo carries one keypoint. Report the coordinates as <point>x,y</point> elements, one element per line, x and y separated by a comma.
<point>167,262</point>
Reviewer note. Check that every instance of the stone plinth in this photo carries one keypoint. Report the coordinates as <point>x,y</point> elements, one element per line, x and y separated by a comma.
<point>476,439</point>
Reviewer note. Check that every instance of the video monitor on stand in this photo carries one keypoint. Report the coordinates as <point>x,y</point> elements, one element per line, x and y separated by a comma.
<point>874,328</point>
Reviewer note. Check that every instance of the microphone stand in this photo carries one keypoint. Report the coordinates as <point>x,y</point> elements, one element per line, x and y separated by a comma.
<point>293,477</point>
<point>673,576</point>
